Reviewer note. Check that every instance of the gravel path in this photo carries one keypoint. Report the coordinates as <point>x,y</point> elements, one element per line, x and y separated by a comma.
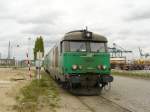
<point>131,93</point>
<point>71,103</point>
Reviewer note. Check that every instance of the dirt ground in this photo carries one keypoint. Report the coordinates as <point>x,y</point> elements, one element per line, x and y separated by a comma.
<point>126,95</point>
<point>10,82</point>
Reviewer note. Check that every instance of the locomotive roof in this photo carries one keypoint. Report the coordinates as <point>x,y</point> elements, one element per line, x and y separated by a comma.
<point>78,35</point>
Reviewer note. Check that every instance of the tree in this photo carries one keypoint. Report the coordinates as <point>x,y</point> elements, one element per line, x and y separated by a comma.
<point>39,46</point>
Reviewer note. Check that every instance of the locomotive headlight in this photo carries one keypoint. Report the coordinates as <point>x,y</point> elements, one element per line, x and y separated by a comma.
<point>88,34</point>
<point>101,67</point>
<point>104,67</point>
<point>74,67</point>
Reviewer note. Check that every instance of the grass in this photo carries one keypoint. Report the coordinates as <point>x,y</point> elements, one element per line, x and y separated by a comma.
<point>137,74</point>
<point>38,95</point>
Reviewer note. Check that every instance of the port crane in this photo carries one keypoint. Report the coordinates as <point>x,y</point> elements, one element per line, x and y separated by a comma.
<point>117,51</point>
<point>145,54</point>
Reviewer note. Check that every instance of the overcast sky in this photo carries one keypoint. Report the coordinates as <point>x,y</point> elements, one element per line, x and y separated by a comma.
<point>125,22</point>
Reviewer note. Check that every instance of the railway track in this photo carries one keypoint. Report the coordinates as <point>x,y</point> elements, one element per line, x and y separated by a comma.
<point>97,103</point>
<point>85,104</point>
<point>126,109</point>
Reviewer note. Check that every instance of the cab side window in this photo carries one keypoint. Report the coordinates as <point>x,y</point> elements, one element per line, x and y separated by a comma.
<point>64,46</point>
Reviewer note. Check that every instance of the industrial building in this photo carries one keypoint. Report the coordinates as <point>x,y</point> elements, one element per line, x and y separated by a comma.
<point>7,62</point>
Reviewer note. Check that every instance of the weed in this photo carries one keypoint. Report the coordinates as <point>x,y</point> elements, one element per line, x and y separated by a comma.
<point>37,94</point>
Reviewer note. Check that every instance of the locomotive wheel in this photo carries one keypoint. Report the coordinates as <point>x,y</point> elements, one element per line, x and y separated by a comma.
<point>64,85</point>
<point>67,85</point>
<point>99,91</point>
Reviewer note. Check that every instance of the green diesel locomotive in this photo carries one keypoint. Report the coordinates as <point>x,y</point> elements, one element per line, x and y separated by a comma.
<point>80,61</point>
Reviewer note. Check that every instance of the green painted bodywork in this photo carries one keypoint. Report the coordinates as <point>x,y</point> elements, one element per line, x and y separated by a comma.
<point>88,63</point>
<point>47,62</point>
<point>60,59</point>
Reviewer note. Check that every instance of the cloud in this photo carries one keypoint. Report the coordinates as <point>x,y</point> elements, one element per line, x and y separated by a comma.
<point>53,18</point>
<point>47,18</point>
<point>50,43</point>
<point>38,30</point>
<point>125,32</point>
<point>138,15</point>
<point>46,30</point>
<point>141,32</point>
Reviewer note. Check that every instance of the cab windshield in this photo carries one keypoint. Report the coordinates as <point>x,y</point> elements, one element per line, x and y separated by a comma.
<point>98,47</point>
<point>78,46</point>
<point>87,46</point>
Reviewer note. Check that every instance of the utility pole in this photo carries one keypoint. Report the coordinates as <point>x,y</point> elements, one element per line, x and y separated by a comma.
<point>9,51</point>
<point>28,58</point>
